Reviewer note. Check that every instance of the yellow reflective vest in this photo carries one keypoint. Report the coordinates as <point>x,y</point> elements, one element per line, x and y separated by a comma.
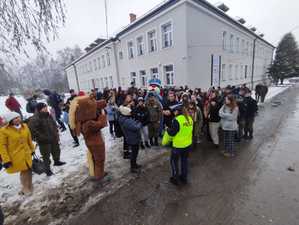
<point>183,138</point>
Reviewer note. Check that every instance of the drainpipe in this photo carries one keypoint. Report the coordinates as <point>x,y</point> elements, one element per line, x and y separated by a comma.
<point>253,63</point>
<point>77,79</point>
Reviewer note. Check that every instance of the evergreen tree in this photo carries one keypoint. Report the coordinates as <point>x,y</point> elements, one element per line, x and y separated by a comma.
<point>286,62</point>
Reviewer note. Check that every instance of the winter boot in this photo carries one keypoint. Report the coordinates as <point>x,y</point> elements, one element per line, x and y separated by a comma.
<point>127,154</point>
<point>156,142</point>
<point>174,181</point>
<point>142,145</point>
<point>147,144</point>
<point>151,141</point>
<point>59,163</point>
<point>49,173</point>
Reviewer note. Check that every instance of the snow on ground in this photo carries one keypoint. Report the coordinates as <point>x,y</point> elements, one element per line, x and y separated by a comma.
<point>76,169</point>
<point>76,161</point>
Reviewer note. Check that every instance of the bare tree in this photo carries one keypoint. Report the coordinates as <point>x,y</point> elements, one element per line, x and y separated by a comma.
<point>28,22</point>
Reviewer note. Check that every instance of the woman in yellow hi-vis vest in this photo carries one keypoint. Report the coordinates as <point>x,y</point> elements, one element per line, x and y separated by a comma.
<point>181,132</point>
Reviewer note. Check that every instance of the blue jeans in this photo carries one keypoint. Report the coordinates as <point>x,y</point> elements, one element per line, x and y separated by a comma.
<point>176,155</point>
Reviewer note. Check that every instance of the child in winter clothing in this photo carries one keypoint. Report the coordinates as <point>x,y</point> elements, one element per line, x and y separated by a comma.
<point>155,114</point>
<point>141,114</point>
<point>131,129</point>
<point>111,113</point>
<point>197,117</point>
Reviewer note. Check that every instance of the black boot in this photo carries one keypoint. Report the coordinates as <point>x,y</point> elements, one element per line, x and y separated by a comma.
<point>147,144</point>
<point>59,163</point>
<point>174,181</point>
<point>142,145</point>
<point>49,173</point>
<point>151,141</point>
<point>127,155</point>
<point>156,142</point>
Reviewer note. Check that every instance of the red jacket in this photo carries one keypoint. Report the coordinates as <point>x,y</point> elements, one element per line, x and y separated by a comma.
<point>12,104</point>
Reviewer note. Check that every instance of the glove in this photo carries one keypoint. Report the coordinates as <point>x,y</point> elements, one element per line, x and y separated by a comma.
<point>7,165</point>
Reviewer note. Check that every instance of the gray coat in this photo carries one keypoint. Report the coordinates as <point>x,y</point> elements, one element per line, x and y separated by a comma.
<point>131,129</point>
<point>229,118</point>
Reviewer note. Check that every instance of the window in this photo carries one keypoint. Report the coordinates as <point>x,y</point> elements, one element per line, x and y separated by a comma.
<point>108,58</point>
<point>169,75</point>
<point>237,45</point>
<point>102,83</point>
<point>236,72</point>
<point>241,71</point>
<point>154,73</point>
<point>143,78</point>
<point>95,64</point>
<point>251,49</point>
<point>111,81</point>
<point>247,48</point>
<point>103,61</point>
<point>223,72</point>
<point>230,72</point>
<point>133,78</point>
<point>130,50</point>
<point>106,82</point>
<point>246,70</point>
<point>120,55</point>
<point>90,66</point>
<point>99,63</point>
<point>231,43</point>
<point>166,35</point>
<point>224,40</point>
<point>152,41</point>
<point>243,47</point>
<point>140,46</point>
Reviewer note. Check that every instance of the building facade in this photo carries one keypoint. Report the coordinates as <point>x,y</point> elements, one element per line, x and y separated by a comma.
<point>181,42</point>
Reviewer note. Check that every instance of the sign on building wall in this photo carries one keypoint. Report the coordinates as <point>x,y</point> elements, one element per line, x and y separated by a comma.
<point>215,70</point>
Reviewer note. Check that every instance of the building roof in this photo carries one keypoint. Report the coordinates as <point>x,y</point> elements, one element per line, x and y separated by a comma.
<point>160,8</point>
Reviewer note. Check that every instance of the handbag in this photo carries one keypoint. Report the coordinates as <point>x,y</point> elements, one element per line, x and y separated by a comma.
<point>38,165</point>
<point>167,139</point>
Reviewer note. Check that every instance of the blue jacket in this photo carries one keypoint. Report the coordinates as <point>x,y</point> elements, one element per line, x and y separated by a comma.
<point>111,112</point>
<point>131,129</point>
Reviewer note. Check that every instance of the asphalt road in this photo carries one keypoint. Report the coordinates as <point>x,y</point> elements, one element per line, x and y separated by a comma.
<point>255,188</point>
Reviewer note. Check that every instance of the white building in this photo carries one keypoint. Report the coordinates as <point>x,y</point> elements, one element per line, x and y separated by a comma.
<point>182,42</point>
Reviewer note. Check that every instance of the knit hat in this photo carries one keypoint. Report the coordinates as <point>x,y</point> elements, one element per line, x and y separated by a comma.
<point>126,111</point>
<point>140,99</point>
<point>10,116</point>
<point>40,106</point>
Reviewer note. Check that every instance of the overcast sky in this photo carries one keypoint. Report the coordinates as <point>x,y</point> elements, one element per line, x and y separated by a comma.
<point>86,19</point>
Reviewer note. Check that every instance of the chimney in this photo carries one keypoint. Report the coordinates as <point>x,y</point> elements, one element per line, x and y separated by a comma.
<point>132,17</point>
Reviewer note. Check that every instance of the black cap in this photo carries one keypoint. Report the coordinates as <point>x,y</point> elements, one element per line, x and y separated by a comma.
<point>40,106</point>
<point>176,107</point>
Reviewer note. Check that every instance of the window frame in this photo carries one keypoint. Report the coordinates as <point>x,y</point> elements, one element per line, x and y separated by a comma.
<point>165,75</point>
<point>133,53</point>
<point>152,74</point>
<point>142,44</point>
<point>143,82</point>
<point>171,39</point>
<point>155,40</point>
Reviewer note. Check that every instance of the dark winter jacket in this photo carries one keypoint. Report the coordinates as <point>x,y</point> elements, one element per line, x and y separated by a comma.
<point>31,105</point>
<point>155,112</point>
<point>55,100</point>
<point>131,129</point>
<point>251,107</point>
<point>43,128</point>
<point>141,114</point>
<point>1,217</point>
<point>168,119</point>
<point>214,112</point>
<point>242,107</point>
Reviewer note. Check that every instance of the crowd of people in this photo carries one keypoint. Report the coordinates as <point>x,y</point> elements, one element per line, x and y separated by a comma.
<point>141,117</point>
